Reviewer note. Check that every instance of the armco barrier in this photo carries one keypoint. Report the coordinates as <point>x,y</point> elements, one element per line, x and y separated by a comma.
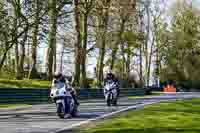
<point>34,96</point>
<point>30,96</point>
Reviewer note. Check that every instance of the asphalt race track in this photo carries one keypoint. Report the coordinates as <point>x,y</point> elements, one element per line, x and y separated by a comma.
<point>43,119</point>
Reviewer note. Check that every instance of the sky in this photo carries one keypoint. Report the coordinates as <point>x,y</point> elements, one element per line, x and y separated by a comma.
<point>195,3</point>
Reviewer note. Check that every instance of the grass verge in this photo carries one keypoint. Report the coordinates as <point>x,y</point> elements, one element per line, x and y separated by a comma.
<point>4,83</point>
<point>12,105</point>
<point>166,117</point>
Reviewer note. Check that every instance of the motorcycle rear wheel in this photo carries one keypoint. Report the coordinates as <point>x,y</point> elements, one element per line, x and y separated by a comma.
<point>75,111</point>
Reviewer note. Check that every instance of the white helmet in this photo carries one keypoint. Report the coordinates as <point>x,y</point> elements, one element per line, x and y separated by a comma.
<point>107,70</point>
<point>57,74</point>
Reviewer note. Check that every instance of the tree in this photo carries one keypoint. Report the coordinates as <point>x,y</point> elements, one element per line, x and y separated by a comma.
<point>126,12</point>
<point>102,29</point>
<point>157,27</point>
<point>33,71</point>
<point>85,7</point>
<point>14,27</point>
<point>52,38</point>
<point>181,56</point>
<point>77,44</point>
<point>82,11</point>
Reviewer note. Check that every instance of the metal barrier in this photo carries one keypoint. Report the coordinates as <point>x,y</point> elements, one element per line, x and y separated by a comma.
<point>35,96</point>
<point>30,96</point>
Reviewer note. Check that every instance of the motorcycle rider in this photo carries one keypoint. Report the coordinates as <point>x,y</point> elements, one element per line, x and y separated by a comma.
<point>111,76</point>
<point>60,78</point>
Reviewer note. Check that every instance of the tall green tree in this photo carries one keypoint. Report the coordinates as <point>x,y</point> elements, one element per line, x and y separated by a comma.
<point>102,29</point>
<point>182,54</point>
<point>51,54</point>
<point>82,9</point>
<point>37,7</point>
<point>77,44</point>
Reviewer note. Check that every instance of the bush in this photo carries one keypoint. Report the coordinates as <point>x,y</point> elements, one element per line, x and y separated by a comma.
<point>189,84</point>
<point>185,84</point>
<point>7,73</point>
<point>94,84</point>
<point>89,83</point>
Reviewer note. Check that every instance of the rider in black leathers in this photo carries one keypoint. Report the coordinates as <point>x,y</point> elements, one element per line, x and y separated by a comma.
<point>111,76</point>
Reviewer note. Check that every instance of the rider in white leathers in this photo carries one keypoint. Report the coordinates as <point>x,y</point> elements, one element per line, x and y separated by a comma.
<point>60,78</point>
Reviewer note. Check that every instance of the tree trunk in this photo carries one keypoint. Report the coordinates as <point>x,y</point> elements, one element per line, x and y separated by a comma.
<point>22,56</point>
<point>123,60</point>
<point>141,64</point>
<point>150,59</point>
<point>114,51</point>
<point>101,59</point>
<point>77,44</point>
<point>158,67</point>
<point>15,23</point>
<point>61,58</point>
<point>121,43</point>
<point>3,60</point>
<point>54,58</point>
<point>33,71</point>
<point>128,64</point>
<point>113,56</point>
<point>6,46</point>
<point>17,71</point>
<point>102,40</point>
<point>52,38</point>
<point>103,20</point>
<point>146,47</point>
<point>84,56</point>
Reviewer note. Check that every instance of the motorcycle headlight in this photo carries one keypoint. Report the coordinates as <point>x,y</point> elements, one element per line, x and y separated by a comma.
<point>107,89</point>
<point>53,88</point>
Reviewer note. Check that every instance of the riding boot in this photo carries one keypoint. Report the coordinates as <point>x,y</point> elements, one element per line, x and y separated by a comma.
<point>75,99</point>
<point>118,92</point>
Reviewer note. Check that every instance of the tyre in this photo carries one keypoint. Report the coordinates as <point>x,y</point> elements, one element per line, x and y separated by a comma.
<point>108,100</point>
<point>60,111</point>
<point>74,111</point>
<point>115,102</point>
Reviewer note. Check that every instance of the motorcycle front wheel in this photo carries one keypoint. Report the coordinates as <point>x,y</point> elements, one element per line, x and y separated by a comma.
<point>115,102</point>
<point>60,110</point>
<point>108,100</point>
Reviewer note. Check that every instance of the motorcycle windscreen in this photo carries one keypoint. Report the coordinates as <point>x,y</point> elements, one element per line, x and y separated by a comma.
<point>59,85</point>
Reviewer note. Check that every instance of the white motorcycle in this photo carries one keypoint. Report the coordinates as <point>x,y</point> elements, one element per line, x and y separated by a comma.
<point>59,94</point>
<point>110,93</point>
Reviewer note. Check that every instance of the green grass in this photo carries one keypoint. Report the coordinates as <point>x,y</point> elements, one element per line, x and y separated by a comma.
<point>12,105</point>
<point>175,117</point>
<point>4,83</point>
